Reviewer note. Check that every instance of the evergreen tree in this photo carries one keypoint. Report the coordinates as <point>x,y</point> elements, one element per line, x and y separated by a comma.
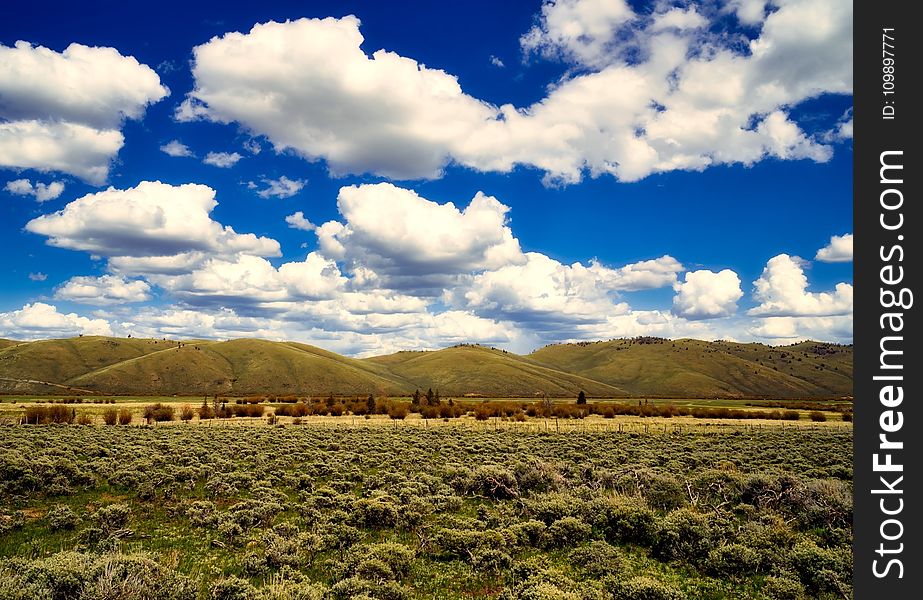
<point>581,398</point>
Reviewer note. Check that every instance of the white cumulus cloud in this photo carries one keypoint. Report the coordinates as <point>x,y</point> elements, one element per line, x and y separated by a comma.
<point>682,98</point>
<point>297,220</point>
<point>42,192</point>
<point>838,250</point>
<point>176,149</point>
<point>150,224</point>
<point>706,295</point>
<point>222,160</point>
<point>283,187</point>
<point>41,320</point>
<point>104,290</point>
<point>62,111</point>
<point>782,288</point>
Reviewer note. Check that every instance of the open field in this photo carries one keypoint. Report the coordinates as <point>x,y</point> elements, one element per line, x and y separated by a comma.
<point>402,509</point>
<point>13,409</point>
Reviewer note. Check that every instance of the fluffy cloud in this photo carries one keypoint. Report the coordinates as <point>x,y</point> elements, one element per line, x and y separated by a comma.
<point>282,187</point>
<point>40,320</point>
<point>782,292</point>
<point>222,160</point>
<point>681,98</point>
<point>297,220</point>
<point>75,131</point>
<point>394,234</point>
<point>102,291</point>
<point>307,86</point>
<point>838,250</point>
<point>707,295</point>
<point>176,149</point>
<point>249,279</point>
<point>550,299</point>
<point>788,330</point>
<point>152,221</point>
<point>42,192</point>
<point>581,31</point>
<point>541,293</point>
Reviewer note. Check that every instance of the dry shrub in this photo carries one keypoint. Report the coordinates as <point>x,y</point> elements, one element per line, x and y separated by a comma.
<point>125,417</point>
<point>110,416</point>
<point>158,412</point>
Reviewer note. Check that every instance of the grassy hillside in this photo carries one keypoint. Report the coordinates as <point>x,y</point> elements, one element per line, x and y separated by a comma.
<point>243,366</point>
<point>60,360</point>
<point>638,367</point>
<point>488,372</point>
<point>700,369</point>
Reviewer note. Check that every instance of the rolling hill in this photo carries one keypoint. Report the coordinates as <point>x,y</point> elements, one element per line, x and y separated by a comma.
<point>699,369</point>
<point>619,368</point>
<point>485,371</point>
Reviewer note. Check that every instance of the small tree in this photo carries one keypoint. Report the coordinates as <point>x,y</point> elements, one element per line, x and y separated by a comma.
<point>370,404</point>
<point>581,398</point>
<point>415,398</point>
<point>429,397</point>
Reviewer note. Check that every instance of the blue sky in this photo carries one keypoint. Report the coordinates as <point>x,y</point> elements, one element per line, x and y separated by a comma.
<point>676,169</point>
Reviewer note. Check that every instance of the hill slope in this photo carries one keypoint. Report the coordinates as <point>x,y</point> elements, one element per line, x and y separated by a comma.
<point>638,367</point>
<point>488,372</point>
<point>240,367</point>
<point>694,368</point>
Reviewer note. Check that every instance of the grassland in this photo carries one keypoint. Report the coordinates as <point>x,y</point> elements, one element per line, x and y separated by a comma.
<point>641,367</point>
<point>334,511</point>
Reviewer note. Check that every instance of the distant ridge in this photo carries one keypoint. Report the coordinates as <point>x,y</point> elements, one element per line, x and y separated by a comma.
<point>650,367</point>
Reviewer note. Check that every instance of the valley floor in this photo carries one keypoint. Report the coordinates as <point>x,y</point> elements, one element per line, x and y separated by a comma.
<point>334,510</point>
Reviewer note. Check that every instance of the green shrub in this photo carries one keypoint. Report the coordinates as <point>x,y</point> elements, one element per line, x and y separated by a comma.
<point>567,532</point>
<point>597,559</point>
<point>684,534</point>
<point>665,492</point>
<point>644,588</point>
<point>783,588</point>
<point>733,560</point>
<point>62,517</point>
<point>233,588</point>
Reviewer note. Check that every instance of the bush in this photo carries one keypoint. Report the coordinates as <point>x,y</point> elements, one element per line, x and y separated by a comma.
<point>597,559</point>
<point>817,416</point>
<point>110,416</point>
<point>664,492</point>
<point>233,588</point>
<point>783,588</point>
<point>125,417</point>
<point>629,520</point>
<point>158,412</point>
<point>186,413</point>
<point>84,419</point>
<point>733,560</point>
<point>40,415</point>
<point>495,482</point>
<point>61,517</point>
<point>684,534</point>
<point>398,411</point>
<point>644,588</point>
<point>76,575</point>
<point>567,532</point>
<point>113,516</point>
